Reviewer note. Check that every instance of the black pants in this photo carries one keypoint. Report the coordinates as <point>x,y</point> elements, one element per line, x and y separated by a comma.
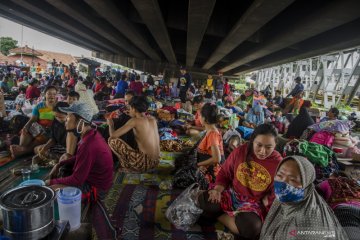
<point>182,95</point>
<point>248,223</point>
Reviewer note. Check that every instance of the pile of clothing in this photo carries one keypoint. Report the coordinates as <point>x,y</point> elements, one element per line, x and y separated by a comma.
<point>335,134</point>
<point>171,145</point>
<point>167,114</point>
<point>321,156</point>
<point>167,134</point>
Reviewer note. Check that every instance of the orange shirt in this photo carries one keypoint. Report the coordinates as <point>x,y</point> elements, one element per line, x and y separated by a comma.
<point>212,138</point>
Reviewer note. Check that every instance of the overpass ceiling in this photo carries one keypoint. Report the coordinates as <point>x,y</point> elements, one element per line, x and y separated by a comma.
<point>208,36</point>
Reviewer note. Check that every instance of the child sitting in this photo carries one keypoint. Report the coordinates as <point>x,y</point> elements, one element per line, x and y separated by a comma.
<point>279,122</point>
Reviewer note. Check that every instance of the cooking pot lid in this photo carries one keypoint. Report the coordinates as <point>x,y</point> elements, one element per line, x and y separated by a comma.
<point>26,197</point>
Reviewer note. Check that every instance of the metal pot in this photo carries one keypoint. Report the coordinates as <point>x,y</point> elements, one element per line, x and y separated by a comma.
<point>28,212</point>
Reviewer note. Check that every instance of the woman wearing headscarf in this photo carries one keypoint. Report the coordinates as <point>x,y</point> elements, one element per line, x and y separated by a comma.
<point>300,123</point>
<point>298,211</point>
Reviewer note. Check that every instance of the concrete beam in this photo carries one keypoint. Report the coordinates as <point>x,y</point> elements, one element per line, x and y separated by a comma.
<point>125,47</point>
<point>150,13</point>
<point>43,26</point>
<point>331,16</point>
<point>258,14</point>
<point>148,65</point>
<point>318,48</point>
<point>199,14</point>
<point>108,11</point>
<point>37,10</point>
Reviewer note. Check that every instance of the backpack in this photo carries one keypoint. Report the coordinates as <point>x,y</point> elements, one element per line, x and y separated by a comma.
<point>323,138</point>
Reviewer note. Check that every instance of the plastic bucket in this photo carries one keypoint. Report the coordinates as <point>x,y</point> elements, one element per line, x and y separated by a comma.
<point>37,182</point>
<point>69,203</point>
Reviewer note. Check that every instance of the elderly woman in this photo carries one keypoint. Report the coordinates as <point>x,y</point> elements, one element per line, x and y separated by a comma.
<point>299,211</point>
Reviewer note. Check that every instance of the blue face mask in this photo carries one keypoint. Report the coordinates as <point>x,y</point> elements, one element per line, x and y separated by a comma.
<point>286,193</point>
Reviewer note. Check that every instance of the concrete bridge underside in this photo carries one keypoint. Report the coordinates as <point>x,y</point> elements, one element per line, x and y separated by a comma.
<point>230,36</point>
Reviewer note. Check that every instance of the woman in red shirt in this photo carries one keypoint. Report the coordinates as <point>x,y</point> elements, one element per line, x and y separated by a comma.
<point>32,90</point>
<point>226,87</point>
<point>243,191</point>
<point>99,84</point>
<point>137,86</point>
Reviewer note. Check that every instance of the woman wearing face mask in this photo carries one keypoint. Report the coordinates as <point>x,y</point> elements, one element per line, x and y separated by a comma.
<point>37,130</point>
<point>244,186</point>
<point>298,207</point>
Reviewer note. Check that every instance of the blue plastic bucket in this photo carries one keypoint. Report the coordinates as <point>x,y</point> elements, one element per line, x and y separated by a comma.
<point>37,182</point>
<point>69,204</point>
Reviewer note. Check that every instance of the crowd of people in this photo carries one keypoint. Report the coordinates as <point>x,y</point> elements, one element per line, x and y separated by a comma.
<point>251,188</point>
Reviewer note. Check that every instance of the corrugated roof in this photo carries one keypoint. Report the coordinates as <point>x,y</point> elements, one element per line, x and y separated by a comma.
<point>25,51</point>
<point>3,58</point>
<point>59,57</point>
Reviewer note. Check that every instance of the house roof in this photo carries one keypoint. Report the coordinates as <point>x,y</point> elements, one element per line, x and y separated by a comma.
<point>3,58</point>
<point>59,57</point>
<point>25,50</point>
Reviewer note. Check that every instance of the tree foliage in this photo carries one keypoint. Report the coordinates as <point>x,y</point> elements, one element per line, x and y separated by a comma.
<point>7,43</point>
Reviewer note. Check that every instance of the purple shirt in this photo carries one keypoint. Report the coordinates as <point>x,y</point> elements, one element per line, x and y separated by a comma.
<point>93,163</point>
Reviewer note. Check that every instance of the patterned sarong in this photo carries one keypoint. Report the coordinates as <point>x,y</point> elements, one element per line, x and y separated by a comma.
<point>131,159</point>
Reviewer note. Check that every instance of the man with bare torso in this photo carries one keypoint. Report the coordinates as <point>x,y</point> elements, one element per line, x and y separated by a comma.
<point>146,135</point>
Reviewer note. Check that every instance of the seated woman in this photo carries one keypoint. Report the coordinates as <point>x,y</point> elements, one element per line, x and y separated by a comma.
<point>37,130</point>
<point>300,123</point>
<point>51,152</point>
<point>254,116</point>
<point>32,91</point>
<point>332,114</point>
<point>194,128</point>
<point>343,196</point>
<point>298,207</point>
<point>244,186</point>
<point>210,151</point>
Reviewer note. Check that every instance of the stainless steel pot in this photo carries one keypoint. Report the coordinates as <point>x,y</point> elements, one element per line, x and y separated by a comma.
<point>28,212</point>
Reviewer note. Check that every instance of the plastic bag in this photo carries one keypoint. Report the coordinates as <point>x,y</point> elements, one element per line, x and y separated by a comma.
<point>36,129</point>
<point>27,108</point>
<point>184,211</point>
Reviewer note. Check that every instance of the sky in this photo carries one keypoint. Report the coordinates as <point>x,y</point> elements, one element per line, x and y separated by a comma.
<point>39,40</point>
